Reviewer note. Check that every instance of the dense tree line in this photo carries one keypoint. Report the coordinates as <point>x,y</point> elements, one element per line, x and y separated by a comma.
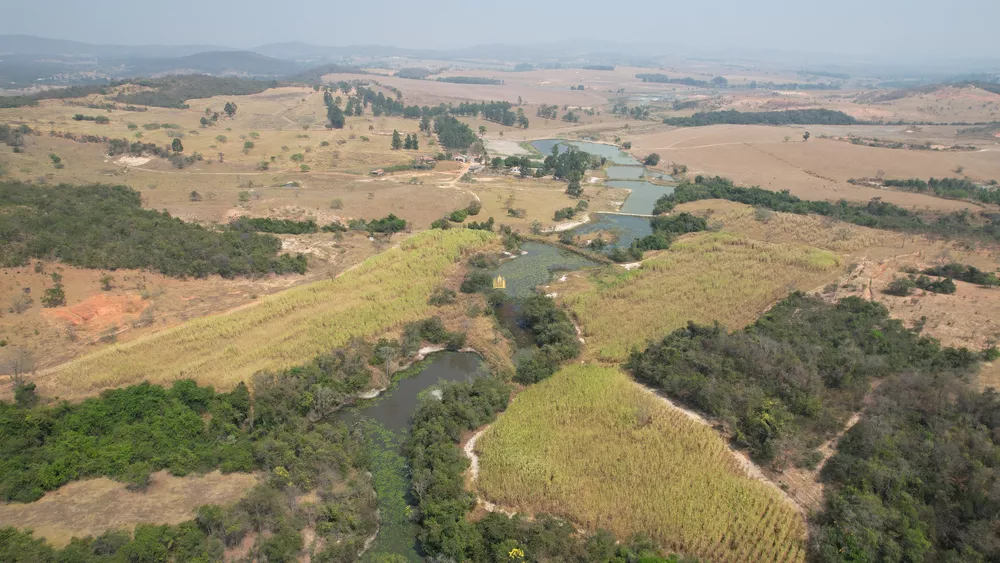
<point>665,229</point>
<point>664,79</point>
<point>904,286</point>
<point>389,225</point>
<point>721,82</point>
<point>875,213</point>
<point>470,80</point>
<point>274,226</point>
<point>968,274</point>
<point>785,117</point>
<point>949,188</point>
<point>635,112</point>
<point>78,91</point>
<point>174,91</point>
<point>789,381</point>
<point>446,534</point>
<point>105,227</point>
<point>452,133</point>
<point>497,112</point>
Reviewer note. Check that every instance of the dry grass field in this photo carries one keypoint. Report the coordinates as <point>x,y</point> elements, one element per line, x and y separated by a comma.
<point>539,199</point>
<point>817,169</point>
<point>703,278</point>
<point>536,87</point>
<point>94,506</point>
<point>279,330</point>
<point>139,302</point>
<point>593,446</point>
<point>969,318</point>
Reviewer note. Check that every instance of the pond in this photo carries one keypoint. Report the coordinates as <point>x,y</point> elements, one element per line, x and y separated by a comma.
<point>385,422</point>
<point>625,172</point>
<point>642,199</point>
<point>626,228</point>
<point>629,173</point>
<point>526,272</point>
<point>610,152</point>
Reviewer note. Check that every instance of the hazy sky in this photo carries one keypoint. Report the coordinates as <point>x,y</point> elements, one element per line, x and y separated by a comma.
<point>917,28</point>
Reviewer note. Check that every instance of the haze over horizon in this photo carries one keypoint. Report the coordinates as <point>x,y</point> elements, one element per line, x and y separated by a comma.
<point>905,31</point>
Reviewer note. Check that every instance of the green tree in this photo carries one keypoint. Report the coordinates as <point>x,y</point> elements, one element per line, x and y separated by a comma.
<point>247,146</point>
<point>416,142</point>
<point>574,189</point>
<point>397,141</point>
<point>176,146</point>
<point>805,136</point>
<point>482,130</point>
<point>408,142</point>
<point>425,124</point>
<point>230,109</point>
<point>652,160</point>
<point>336,116</point>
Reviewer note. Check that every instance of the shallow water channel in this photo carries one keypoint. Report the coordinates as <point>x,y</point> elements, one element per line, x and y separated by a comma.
<point>385,422</point>
<point>625,172</point>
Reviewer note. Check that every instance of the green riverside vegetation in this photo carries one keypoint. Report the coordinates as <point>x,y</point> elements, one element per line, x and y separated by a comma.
<point>437,464</point>
<point>105,227</point>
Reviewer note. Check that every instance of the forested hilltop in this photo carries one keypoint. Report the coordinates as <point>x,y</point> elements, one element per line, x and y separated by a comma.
<point>105,227</point>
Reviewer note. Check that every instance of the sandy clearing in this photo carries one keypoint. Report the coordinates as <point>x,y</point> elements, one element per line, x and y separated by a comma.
<point>94,506</point>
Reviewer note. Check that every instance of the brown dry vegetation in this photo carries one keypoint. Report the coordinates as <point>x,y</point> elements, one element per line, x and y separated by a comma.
<point>141,302</point>
<point>94,506</point>
<point>540,199</point>
<point>704,278</point>
<point>969,318</point>
<point>282,330</point>
<point>667,476</point>
<point>817,169</point>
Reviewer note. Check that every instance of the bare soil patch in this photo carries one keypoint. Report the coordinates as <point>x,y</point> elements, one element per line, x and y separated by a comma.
<point>94,506</point>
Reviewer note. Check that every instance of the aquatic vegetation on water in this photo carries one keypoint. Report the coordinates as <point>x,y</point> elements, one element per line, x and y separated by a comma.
<point>524,273</point>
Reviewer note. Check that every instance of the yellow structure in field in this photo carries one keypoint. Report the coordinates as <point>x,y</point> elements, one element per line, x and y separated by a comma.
<point>499,283</point>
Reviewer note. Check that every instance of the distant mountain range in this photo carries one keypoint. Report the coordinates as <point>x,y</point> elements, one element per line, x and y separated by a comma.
<point>26,60</point>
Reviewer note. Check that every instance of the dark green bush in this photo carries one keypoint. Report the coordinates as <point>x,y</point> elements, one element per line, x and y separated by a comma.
<point>105,227</point>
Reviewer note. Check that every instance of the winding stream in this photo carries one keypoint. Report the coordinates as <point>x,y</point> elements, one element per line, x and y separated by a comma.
<point>385,422</point>
<point>624,172</point>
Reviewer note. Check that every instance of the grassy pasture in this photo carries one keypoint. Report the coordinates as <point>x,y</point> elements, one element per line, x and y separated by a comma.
<point>706,277</point>
<point>591,445</point>
<point>280,330</point>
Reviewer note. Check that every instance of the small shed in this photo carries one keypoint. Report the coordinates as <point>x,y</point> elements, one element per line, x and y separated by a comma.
<point>461,158</point>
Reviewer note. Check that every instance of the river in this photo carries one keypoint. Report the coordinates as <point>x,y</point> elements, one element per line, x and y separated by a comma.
<point>385,420</point>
